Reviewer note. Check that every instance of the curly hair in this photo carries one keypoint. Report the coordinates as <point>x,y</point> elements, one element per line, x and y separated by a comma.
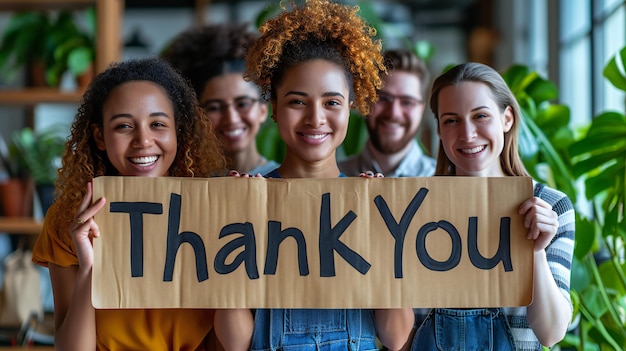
<point>202,53</point>
<point>510,159</point>
<point>318,29</point>
<point>198,153</point>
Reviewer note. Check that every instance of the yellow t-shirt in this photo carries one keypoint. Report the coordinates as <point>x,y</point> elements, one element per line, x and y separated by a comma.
<point>137,329</point>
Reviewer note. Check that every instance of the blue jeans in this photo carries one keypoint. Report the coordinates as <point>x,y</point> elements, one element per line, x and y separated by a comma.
<point>464,330</point>
<point>313,329</point>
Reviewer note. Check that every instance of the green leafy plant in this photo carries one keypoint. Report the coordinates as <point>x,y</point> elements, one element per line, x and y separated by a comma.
<point>68,47</point>
<point>39,152</point>
<point>12,165</point>
<point>545,134</point>
<point>589,165</point>
<point>55,43</point>
<point>600,159</point>
<point>23,42</point>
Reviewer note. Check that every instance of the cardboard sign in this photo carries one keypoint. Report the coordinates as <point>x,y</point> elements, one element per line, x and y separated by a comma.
<point>312,243</point>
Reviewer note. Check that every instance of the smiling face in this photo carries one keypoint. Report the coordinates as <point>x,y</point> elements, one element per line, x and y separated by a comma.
<point>471,128</point>
<point>233,106</point>
<point>138,129</point>
<point>396,116</point>
<point>312,108</point>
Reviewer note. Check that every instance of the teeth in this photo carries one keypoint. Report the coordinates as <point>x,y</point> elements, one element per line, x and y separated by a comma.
<point>144,161</point>
<point>234,132</point>
<point>391,124</point>
<point>315,136</point>
<point>473,150</point>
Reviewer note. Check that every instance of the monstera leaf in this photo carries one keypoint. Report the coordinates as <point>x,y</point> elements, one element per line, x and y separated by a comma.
<point>544,129</point>
<point>599,158</point>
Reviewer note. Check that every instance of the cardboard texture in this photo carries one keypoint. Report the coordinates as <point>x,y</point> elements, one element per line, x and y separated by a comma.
<point>217,243</point>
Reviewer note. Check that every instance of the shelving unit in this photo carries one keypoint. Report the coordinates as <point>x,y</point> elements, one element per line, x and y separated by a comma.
<point>108,49</point>
<point>20,225</point>
<point>32,96</point>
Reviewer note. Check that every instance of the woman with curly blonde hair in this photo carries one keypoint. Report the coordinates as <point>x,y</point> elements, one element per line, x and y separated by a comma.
<point>137,118</point>
<point>314,62</point>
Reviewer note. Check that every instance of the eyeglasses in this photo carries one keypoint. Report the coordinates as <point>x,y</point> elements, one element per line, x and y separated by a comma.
<point>406,102</point>
<point>241,104</point>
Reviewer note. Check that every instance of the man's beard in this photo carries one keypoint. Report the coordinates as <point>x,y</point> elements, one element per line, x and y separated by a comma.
<point>385,146</point>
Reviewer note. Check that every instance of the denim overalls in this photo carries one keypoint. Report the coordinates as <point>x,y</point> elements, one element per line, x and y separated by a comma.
<point>314,329</point>
<point>482,329</point>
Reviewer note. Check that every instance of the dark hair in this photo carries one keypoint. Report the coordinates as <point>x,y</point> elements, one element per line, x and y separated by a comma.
<point>151,69</point>
<point>476,72</point>
<point>198,152</point>
<point>408,61</point>
<point>318,29</point>
<point>307,50</point>
<point>202,53</point>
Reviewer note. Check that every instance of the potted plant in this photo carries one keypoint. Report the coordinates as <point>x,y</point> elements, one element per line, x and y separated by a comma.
<point>41,153</point>
<point>16,188</point>
<point>70,48</point>
<point>23,45</point>
<point>49,46</point>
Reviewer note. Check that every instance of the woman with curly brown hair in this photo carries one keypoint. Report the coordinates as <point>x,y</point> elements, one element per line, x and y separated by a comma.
<point>137,118</point>
<point>213,58</point>
<point>314,62</point>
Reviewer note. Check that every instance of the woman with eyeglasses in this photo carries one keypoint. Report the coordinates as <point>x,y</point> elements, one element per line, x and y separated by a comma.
<point>213,59</point>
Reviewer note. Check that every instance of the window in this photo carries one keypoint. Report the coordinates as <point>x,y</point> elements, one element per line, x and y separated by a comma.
<point>590,33</point>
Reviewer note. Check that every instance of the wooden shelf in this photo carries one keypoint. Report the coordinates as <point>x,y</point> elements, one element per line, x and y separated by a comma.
<point>20,225</point>
<point>108,49</point>
<point>33,96</point>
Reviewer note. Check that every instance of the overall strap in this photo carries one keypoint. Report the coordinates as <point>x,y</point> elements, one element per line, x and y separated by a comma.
<point>353,321</point>
<point>276,327</point>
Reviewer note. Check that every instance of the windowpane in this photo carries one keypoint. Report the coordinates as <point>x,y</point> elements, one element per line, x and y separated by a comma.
<point>575,19</point>
<point>575,85</point>
<point>614,39</point>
